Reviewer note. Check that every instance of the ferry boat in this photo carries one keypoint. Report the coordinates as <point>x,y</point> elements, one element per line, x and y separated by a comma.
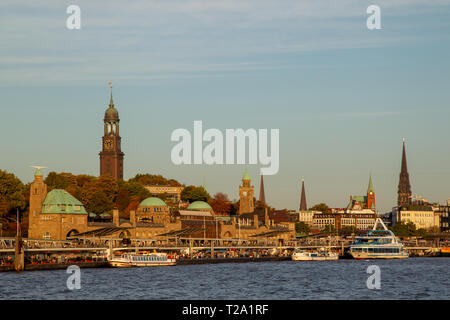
<point>378,244</point>
<point>142,260</point>
<point>321,255</point>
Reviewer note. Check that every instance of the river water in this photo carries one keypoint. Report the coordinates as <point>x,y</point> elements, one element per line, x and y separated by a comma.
<point>414,278</point>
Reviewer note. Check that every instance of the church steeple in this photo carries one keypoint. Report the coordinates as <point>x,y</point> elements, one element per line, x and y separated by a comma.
<point>370,194</point>
<point>370,187</point>
<point>111,102</point>
<point>262,195</point>
<point>111,156</point>
<point>404,186</point>
<point>303,206</point>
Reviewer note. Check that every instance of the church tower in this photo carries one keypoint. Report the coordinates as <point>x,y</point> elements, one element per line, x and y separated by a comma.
<point>246,195</point>
<point>404,187</point>
<point>111,156</point>
<point>370,195</point>
<point>38,192</point>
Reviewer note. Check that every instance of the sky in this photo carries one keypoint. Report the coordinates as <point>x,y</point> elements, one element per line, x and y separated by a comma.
<point>342,96</point>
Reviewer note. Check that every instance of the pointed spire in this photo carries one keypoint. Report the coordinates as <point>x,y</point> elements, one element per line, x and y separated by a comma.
<point>262,195</point>
<point>111,102</point>
<point>370,187</point>
<point>303,206</point>
<point>404,186</point>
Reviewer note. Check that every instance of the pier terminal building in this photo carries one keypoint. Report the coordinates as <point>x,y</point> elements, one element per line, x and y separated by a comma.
<point>57,215</point>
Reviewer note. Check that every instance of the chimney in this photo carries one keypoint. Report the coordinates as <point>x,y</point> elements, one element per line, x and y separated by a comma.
<point>116,220</point>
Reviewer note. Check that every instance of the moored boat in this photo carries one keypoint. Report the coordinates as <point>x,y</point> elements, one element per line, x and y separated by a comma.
<point>142,260</point>
<point>378,244</point>
<point>321,255</point>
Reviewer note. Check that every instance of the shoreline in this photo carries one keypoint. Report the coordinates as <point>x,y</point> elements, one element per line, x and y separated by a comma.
<point>181,262</point>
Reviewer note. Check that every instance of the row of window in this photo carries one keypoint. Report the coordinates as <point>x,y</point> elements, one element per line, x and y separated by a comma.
<point>377,250</point>
<point>147,258</point>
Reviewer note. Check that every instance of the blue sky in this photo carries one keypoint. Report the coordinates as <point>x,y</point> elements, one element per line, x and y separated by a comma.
<point>342,96</point>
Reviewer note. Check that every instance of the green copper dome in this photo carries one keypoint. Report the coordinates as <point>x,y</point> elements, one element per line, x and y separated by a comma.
<point>199,205</point>
<point>153,202</point>
<point>38,173</point>
<point>246,175</point>
<point>60,201</point>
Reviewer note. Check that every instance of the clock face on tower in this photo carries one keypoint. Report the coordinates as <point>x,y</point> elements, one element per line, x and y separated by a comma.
<point>109,144</point>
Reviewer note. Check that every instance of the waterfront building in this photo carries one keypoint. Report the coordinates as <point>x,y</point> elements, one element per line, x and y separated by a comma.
<point>173,192</point>
<point>356,221</point>
<point>444,217</point>
<point>362,204</point>
<point>58,216</point>
<point>53,215</point>
<point>404,186</point>
<point>111,156</point>
<point>246,195</point>
<point>360,213</point>
<point>423,217</point>
<point>307,217</point>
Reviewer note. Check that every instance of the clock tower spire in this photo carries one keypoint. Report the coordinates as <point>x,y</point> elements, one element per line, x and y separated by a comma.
<point>111,156</point>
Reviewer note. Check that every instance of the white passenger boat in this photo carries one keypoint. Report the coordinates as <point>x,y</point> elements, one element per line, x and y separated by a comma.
<point>142,260</point>
<point>378,244</point>
<point>321,255</point>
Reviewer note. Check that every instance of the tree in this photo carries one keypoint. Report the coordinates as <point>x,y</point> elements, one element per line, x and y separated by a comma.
<point>220,203</point>
<point>60,180</point>
<point>403,229</point>
<point>11,191</point>
<point>138,190</point>
<point>322,207</point>
<point>329,228</point>
<point>151,179</point>
<point>99,203</point>
<point>302,228</point>
<point>193,193</point>
<point>109,186</point>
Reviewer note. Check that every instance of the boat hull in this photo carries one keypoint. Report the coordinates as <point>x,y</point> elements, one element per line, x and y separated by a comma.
<point>315,258</point>
<point>119,264</point>
<point>364,256</point>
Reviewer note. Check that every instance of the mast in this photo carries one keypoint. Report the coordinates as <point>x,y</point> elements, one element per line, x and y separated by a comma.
<point>19,256</point>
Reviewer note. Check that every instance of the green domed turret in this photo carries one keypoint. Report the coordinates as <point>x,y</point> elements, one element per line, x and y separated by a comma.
<point>199,205</point>
<point>246,175</point>
<point>153,202</point>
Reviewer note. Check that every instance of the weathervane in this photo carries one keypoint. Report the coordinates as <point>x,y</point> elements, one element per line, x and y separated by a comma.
<point>38,167</point>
